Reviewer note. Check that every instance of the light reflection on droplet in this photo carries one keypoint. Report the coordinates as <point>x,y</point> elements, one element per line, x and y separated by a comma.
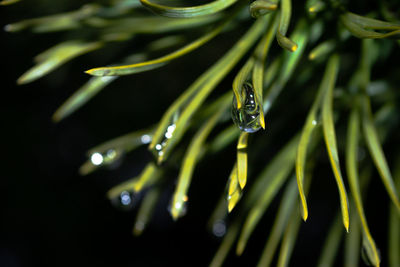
<point>145,139</point>
<point>219,228</point>
<point>314,122</point>
<point>158,147</point>
<point>111,154</point>
<point>96,158</point>
<point>125,198</point>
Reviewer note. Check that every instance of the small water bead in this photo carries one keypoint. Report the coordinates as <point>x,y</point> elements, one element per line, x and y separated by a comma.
<point>125,200</point>
<point>247,118</point>
<point>219,228</point>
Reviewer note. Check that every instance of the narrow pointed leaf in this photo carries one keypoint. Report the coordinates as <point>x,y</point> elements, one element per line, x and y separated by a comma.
<point>358,31</point>
<point>260,8</point>
<point>331,245</point>
<point>225,246</point>
<point>189,162</point>
<point>289,239</point>
<point>242,159</point>
<point>285,14</point>
<point>352,240</point>
<point>322,50</point>
<point>281,220</point>
<point>394,225</point>
<point>189,12</point>
<point>8,2</point>
<point>146,210</point>
<point>352,173</point>
<point>82,96</point>
<point>150,174</point>
<point>56,56</point>
<point>277,172</point>
<point>159,62</point>
<point>328,83</point>
<point>376,152</point>
<point>260,55</point>
<point>369,23</point>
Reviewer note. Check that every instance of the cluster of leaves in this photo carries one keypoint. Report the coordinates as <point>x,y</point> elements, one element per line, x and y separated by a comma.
<point>319,39</point>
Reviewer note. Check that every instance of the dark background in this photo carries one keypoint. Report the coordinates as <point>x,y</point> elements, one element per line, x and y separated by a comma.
<point>51,216</point>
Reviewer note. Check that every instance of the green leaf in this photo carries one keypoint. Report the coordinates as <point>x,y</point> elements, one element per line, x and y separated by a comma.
<point>58,22</point>
<point>352,173</point>
<point>376,152</point>
<point>285,210</point>
<point>81,97</point>
<point>112,150</point>
<point>289,63</point>
<point>285,14</point>
<point>225,246</point>
<point>289,239</point>
<point>394,224</point>
<point>352,240</point>
<point>265,189</point>
<point>150,175</point>
<point>322,50</point>
<point>260,8</point>
<point>356,28</point>
<point>189,12</point>
<point>55,57</point>
<point>242,159</point>
<point>369,23</point>
<point>146,210</point>
<point>328,83</point>
<point>8,2</point>
<point>195,95</point>
<point>189,162</point>
<point>331,245</point>
<point>159,62</point>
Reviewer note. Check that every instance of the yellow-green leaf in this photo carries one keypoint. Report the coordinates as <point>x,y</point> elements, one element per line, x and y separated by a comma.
<point>146,210</point>
<point>155,63</point>
<point>262,7</point>
<point>352,173</point>
<point>189,12</point>
<point>328,83</point>
<point>376,152</point>
<point>242,159</point>
<point>276,174</point>
<point>189,162</point>
<point>55,57</point>
<point>285,14</point>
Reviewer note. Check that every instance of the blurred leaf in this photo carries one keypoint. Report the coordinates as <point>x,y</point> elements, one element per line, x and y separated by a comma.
<point>352,173</point>
<point>328,83</point>
<point>146,210</point>
<point>358,26</point>
<point>189,12</point>
<point>331,245</point>
<point>150,174</point>
<point>285,209</point>
<point>376,152</point>
<point>289,239</point>
<point>260,8</point>
<point>289,63</point>
<point>55,57</point>
<point>82,96</point>
<point>322,50</point>
<point>352,240</point>
<point>58,22</point>
<point>394,224</point>
<point>225,246</point>
<point>8,2</point>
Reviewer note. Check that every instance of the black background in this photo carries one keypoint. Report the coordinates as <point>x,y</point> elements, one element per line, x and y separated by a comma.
<point>51,216</point>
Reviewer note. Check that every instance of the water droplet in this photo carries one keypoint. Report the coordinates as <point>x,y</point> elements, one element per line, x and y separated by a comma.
<point>180,206</point>
<point>125,201</point>
<point>96,159</point>
<point>314,122</point>
<point>247,118</point>
<point>145,139</point>
<point>219,228</point>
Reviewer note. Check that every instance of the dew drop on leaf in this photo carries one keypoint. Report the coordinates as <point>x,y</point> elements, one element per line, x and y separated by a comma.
<point>125,200</point>
<point>247,118</point>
